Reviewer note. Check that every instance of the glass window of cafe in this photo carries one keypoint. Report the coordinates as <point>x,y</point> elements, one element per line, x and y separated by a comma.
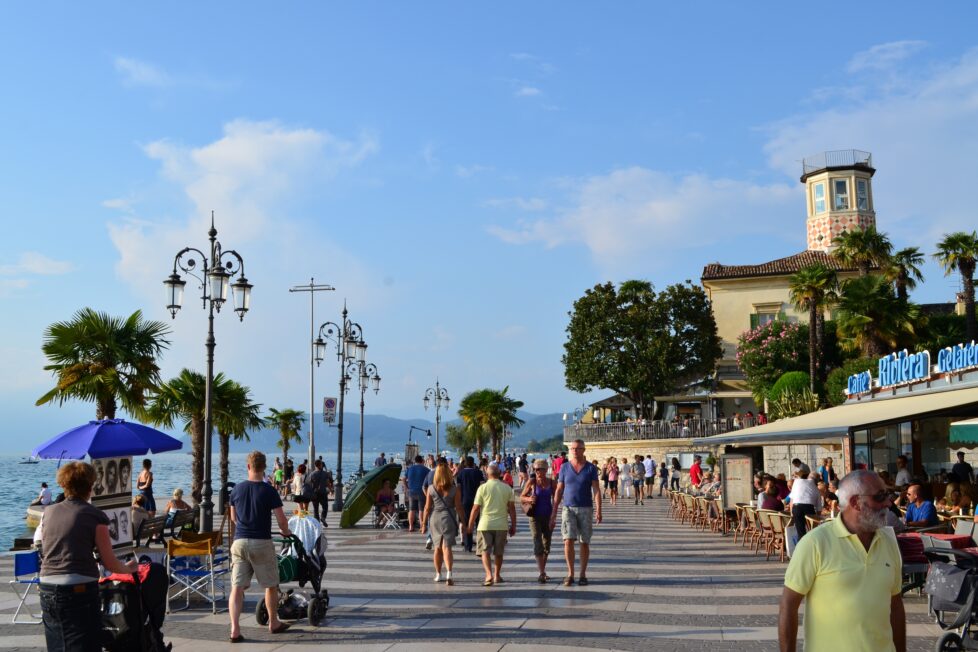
<point>924,442</point>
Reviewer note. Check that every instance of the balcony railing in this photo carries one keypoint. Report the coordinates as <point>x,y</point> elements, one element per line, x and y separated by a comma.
<point>838,159</point>
<point>625,431</point>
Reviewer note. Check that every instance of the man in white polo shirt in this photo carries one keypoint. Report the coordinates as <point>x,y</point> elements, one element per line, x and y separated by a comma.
<point>649,465</point>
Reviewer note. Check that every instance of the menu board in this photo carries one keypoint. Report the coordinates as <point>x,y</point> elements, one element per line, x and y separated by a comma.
<point>737,476</point>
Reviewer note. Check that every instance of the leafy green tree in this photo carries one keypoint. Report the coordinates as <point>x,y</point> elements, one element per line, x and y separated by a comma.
<point>640,343</point>
<point>904,271</point>
<point>766,352</point>
<point>489,412</point>
<point>862,249</point>
<point>838,380</point>
<point>289,423</point>
<point>940,332</point>
<point>958,252</point>
<point>813,288</point>
<point>793,403</point>
<point>871,319</point>
<point>234,415</point>
<point>184,399</point>
<point>461,437</point>
<point>107,360</point>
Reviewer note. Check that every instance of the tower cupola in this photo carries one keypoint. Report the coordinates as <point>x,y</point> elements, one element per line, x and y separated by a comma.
<point>839,194</point>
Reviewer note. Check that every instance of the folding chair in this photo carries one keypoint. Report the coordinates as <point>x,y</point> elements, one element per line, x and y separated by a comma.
<point>26,564</point>
<point>196,568</point>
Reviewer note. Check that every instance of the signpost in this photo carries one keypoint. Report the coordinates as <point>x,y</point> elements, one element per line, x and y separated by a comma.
<point>329,409</point>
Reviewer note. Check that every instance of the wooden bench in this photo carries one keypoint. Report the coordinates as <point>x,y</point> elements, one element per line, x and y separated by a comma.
<point>152,530</point>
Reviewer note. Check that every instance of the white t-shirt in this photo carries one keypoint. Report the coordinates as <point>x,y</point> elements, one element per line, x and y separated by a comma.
<point>903,477</point>
<point>805,492</point>
<point>649,467</point>
<point>45,496</point>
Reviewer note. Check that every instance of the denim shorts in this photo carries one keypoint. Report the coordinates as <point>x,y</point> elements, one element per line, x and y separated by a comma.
<point>72,617</point>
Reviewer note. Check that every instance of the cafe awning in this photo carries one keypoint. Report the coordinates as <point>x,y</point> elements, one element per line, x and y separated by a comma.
<point>964,432</point>
<point>833,423</point>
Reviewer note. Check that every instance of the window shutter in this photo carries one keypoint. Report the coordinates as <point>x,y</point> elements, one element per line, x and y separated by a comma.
<point>753,320</point>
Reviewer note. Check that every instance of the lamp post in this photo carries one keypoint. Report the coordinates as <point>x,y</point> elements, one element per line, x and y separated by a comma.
<point>366,372</point>
<point>216,271</point>
<point>312,289</point>
<point>350,347</point>
<point>440,396</point>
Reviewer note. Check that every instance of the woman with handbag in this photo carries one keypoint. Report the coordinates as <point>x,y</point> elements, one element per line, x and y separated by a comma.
<point>443,504</point>
<point>537,501</point>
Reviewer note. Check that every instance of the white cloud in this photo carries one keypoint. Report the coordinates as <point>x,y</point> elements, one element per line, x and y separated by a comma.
<point>140,73</point>
<point>9,286</point>
<point>518,203</point>
<point>884,55</point>
<point>428,155</point>
<point>510,332</point>
<point>528,91</point>
<point>624,215</point>
<point>534,61</point>
<point>119,204</point>
<point>466,171</point>
<point>31,262</point>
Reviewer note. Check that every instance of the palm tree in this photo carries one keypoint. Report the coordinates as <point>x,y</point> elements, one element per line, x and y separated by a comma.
<point>234,414</point>
<point>810,288</point>
<point>289,423</point>
<point>491,411</point>
<point>958,252</point>
<point>108,360</point>
<point>904,271</point>
<point>862,249</point>
<point>184,399</point>
<point>870,318</point>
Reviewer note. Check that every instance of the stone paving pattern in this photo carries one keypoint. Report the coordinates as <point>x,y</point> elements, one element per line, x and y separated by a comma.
<point>654,584</point>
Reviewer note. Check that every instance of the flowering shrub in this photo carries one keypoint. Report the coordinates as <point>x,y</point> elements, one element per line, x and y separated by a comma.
<point>766,352</point>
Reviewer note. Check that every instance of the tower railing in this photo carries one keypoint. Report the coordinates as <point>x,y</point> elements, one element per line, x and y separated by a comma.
<point>836,159</point>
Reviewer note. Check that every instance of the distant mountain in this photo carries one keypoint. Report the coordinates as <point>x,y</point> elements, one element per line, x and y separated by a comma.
<point>383,433</point>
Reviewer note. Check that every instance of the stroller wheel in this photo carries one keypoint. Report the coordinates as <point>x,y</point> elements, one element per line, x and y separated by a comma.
<point>317,611</point>
<point>950,642</point>
<point>261,613</point>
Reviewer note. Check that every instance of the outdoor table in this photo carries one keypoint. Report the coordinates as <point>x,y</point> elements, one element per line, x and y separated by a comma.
<point>956,541</point>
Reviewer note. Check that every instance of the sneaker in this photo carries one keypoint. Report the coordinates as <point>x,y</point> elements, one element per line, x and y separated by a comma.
<point>427,544</point>
<point>438,577</point>
<point>448,579</point>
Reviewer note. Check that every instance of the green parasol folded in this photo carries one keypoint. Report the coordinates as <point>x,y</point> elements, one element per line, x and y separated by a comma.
<point>363,496</point>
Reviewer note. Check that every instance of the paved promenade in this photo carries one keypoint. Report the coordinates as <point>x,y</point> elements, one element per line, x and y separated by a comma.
<point>653,585</point>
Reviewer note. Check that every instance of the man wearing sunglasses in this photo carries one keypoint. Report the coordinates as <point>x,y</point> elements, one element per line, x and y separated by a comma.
<point>848,572</point>
<point>920,512</point>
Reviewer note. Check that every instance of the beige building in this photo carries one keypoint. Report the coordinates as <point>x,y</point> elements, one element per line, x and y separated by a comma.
<point>839,197</point>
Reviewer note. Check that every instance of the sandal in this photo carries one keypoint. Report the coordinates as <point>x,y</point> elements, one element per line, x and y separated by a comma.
<point>499,580</point>
<point>236,639</point>
<point>582,581</point>
<point>281,628</point>
<point>568,581</point>
<point>542,579</point>
<point>487,583</point>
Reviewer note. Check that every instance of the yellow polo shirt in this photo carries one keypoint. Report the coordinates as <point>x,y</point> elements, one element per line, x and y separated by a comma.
<point>847,589</point>
<point>493,499</point>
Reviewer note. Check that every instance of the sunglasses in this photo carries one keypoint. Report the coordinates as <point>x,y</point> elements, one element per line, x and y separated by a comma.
<point>879,497</point>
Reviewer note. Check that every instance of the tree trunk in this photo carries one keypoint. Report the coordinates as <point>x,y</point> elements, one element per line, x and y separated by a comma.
<point>225,439</point>
<point>901,286</point>
<point>105,408</point>
<point>478,448</point>
<point>812,343</point>
<point>970,321</point>
<point>494,439</point>
<point>863,268</point>
<point>197,448</point>
<point>820,344</point>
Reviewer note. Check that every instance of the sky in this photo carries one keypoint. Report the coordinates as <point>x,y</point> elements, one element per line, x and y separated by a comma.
<point>459,172</point>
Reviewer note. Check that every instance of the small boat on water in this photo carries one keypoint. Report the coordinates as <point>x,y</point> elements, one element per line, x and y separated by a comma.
<point>29,460</point>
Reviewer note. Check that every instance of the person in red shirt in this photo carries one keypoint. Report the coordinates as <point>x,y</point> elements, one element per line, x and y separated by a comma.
<point>696,473</point>
<point>560,459</point>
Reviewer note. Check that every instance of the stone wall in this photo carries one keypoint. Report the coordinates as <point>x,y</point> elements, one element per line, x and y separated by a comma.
<point>657,448</point>
<point>777,459</point>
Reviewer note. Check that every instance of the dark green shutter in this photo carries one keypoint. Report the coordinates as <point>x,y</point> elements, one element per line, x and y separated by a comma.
<point>753,320</point>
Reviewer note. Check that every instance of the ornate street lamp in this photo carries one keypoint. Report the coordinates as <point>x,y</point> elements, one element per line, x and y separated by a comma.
<point>350,348</point>
<point>440,396</point>
<point>216,271</point>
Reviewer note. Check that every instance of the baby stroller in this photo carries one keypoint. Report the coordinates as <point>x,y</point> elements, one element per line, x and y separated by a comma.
<point>133,608</point>
<point>951,590</point>
<point>296,564</point>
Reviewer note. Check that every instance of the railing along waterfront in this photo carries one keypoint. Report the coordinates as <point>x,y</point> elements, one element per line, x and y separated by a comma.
<point>625,431</point>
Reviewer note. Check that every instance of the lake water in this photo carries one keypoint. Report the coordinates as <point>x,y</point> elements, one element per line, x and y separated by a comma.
<point>20,483</point>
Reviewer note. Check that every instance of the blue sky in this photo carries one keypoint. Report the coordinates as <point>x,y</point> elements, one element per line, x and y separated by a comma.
<point>459,173</point>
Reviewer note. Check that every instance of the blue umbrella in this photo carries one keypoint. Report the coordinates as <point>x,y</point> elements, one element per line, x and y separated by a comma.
<point>107,438</point>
